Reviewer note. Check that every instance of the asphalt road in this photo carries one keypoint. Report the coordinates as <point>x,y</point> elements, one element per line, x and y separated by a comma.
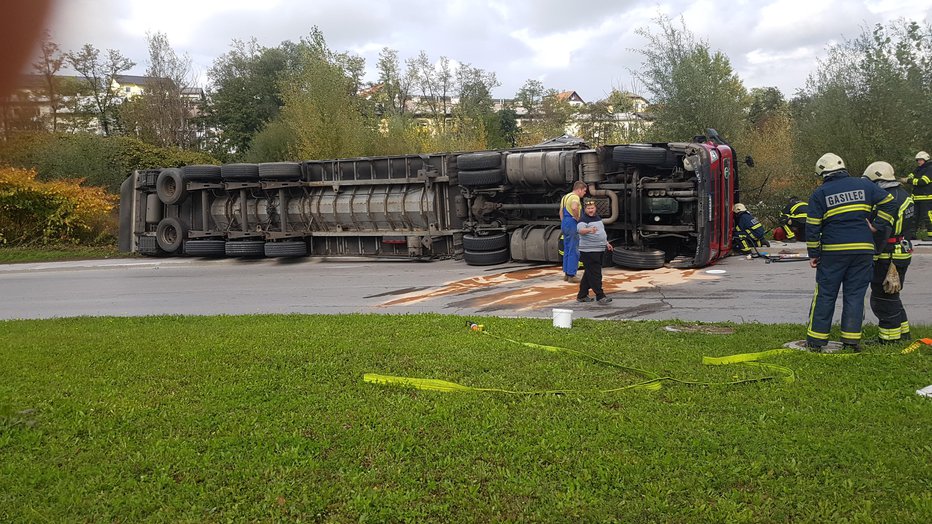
<point>736,289</point>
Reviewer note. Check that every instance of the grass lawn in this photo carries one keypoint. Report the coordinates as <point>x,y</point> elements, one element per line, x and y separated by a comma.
<point>55,253</point>
<point>268,418</point>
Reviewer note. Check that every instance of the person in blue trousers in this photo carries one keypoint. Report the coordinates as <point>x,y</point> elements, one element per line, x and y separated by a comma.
<point>570,210</point>
<point>841,240</point>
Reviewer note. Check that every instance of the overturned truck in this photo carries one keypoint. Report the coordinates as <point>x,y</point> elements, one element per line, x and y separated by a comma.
<point>662,204</point>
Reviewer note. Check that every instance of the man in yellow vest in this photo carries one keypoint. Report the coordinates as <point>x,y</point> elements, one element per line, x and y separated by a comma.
<point>570,211</point>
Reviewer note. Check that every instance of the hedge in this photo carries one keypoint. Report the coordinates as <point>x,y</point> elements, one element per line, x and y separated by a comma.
<point>99,161</point>
<point>32,211</point>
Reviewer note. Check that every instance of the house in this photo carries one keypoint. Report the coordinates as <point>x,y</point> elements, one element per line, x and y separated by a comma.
<point>571,97</point>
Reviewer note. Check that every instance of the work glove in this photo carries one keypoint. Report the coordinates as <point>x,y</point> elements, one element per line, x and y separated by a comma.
<point>891,283</point>
<point>902,180</point>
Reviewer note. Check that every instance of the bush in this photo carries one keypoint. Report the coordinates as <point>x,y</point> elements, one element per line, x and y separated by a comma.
<point>57,211</point>
<point>99,161</point>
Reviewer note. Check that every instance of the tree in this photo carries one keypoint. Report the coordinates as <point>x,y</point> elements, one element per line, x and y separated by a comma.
<point>435,82</point>
<point>244,94</point>
<point>766,102</point>
<point>609,121</point>
<point>870,99</point>
<point>508,130</point>
<point>550,119</point>
<point>47,66</point>
<point>693,88</point>
<point>99,74</point>
<point>161,116</point>
<point>530,97</point>
<point>321,108</point>
<point>396,85</point>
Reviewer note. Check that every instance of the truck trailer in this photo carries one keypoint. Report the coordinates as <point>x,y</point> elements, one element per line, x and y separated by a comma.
<point>662,204</point>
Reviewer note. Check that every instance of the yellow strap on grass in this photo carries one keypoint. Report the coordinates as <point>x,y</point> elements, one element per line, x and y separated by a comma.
<point>653,381</point>
<point>445,386</point>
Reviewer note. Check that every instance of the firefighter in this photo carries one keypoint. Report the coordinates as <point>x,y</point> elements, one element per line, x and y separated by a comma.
<point>749,233</point>
<point>840,241</point>
<point>570,210</point>
<point>921,184</point>
<point>891,263</point>
<point>793,221</point>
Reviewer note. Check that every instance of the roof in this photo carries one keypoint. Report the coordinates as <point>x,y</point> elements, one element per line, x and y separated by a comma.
<point>569,96</point>
<point>136,79</point>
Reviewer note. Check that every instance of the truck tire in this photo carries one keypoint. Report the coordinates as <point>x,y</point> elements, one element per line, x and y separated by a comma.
<point>286,249</point>
<point>476,161</point>
<point>244,248</point>
<point>169,234</point>
<point>653,156</point>
<point>486,258</point>
<point>492,242</point>
<point>240,172</point>
<point>287,171</point>
<point>201,173</point>
<point>638,259</point>
<point>170,186</point>
<point>205,248</point>
<point>485,177</point>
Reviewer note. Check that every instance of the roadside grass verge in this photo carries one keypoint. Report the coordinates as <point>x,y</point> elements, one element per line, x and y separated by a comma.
<point>267,418</point>
<point>56,253</point>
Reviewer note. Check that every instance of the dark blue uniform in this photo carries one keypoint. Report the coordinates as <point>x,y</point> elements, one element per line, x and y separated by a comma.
<point>793,221</point>
<point>922,195</point>
<point>838,236</point>
<point>891,315</point>
<point>748,232</point>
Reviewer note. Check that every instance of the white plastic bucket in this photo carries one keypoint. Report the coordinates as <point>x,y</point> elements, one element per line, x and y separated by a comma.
<point>563,318</point>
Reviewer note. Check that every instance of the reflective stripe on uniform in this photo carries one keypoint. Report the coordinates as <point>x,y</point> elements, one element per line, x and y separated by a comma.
<point>813,221</point>
<point>850,208</point>
<point>890,333</point>
<point>851,336</point>
<point>847,247</point>
<point>809,331</point>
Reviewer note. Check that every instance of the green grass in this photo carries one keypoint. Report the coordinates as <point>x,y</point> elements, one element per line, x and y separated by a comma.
<point>55,253</point>
<point>266,418</point>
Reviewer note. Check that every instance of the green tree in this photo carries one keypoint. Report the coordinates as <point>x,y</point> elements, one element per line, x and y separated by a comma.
<point>610,121</point>
<point>549,120</point>
<point>435,83</point>
<point>99,73</point>
<point>160,115</point>
<point>321,108</point>
<point>396,84</point>
<point>530,97</point>
<point>244,94</point>
<point>693,88</point>
<point>766,102</point>
<point>869,99</point>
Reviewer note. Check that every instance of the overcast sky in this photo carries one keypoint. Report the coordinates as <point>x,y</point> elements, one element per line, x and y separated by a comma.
<point>582,45</point>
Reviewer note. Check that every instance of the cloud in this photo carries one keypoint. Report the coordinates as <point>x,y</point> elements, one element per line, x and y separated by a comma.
<point>586,45</point>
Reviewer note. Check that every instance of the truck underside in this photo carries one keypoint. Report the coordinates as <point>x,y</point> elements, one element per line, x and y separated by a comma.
<point>662,203</point>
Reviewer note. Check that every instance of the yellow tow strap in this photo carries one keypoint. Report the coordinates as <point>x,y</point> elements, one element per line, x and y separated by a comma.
<point>651,382</point>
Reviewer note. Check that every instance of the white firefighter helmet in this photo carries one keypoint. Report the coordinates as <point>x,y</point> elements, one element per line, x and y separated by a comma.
<point>739,208</point>
<point>922,155</point>
<point>828,163</point>
<point>880,171</point>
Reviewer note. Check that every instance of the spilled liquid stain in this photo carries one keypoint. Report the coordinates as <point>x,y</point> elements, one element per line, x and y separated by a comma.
<point>395,292</point>
<point>543,287</point>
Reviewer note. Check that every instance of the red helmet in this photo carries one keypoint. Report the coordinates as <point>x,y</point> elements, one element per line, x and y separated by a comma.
<point>779,234</point>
